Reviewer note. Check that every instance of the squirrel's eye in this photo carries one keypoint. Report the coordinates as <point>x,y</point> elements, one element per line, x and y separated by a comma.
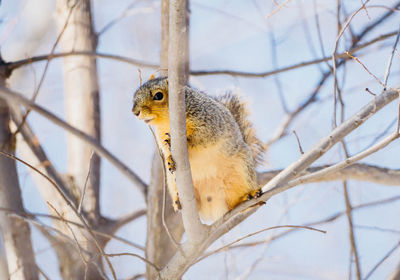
<point>158,96</point>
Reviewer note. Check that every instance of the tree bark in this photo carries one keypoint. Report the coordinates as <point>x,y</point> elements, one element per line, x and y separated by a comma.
<point>81,91</point>
<point>159,246</point>
<point>16,233</point>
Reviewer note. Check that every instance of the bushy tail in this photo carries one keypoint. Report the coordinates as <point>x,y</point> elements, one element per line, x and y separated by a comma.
<point>241,115</point>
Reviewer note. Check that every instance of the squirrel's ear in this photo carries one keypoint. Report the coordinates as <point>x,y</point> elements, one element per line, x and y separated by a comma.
<point>152,76</point>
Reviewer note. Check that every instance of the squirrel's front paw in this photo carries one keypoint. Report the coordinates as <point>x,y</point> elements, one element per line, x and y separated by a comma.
<point>177,204</point>
<point>171,164</point>
<point>167,140</point>
<point>254,194</point>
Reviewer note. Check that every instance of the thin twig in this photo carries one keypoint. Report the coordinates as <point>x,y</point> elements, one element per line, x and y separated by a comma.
<point>387,73</point>
<point>370,92</point>
<point>352,238</point>
<point>70,204</point>
<point>134,255</point>
<point>398,117</point>
<point>179,263</point>
<point>341,31</point>
<point>164,199</point>
<point>255,233</point>
<point>391,251</point>
<point>17,64</point>
<point>125,13</point>
<point>35,94</point>
<point>113,225</point>
<point>85,185</point>
<point>281,131</point>
<point>42,273</point>
<point>356,171</point>
<point>365,8</point>
<point>97,232</point>
<point>280,6</point>
<point>298,142</point>
<point>366,69</point>
<point>378,229</point>
<point>34,145</point>
<point>17,98</point>
<point>72,232</point>
<point>347,162</point>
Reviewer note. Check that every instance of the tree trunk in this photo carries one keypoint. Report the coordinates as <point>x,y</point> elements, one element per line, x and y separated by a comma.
<point>81,93</point>
<point>15,232</point>
<point>159,246</point>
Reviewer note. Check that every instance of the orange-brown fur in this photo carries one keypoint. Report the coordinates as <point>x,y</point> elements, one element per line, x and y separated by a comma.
<point>221,161</point>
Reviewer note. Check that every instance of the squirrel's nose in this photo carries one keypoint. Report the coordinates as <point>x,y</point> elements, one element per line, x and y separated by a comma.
<point>136,110</point>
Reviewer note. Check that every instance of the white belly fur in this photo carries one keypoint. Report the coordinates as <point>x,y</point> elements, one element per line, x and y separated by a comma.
<point>208,180</point>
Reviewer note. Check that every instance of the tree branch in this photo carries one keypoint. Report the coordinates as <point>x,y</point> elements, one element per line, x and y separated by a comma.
<point>329,219</point>
<point>16,234</point>
<point>356,171</point>
<point>16,98</point>
<point>112,226</point>
<point>180,263</point>
<point>178,30</point>
<point>23,62</point>
<point>142,64</point>
<point>33,143</point>
<point>293,66</point>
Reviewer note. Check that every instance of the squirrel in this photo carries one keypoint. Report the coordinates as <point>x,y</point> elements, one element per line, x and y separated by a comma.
<point>223,149</point>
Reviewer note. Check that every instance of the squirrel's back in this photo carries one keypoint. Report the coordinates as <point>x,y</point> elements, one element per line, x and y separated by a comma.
<point>241,115</point>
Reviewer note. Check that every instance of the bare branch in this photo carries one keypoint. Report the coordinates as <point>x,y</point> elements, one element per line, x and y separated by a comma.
<point>35,94</point>
<point>16,98</point>
<point>347,162</point>
<point>127,11</point>
<point>85,185</point>
<point>278,183</point>
<point>388,254</point>
<point>387,73</point>
<point>178,29</point>
<point>72,232</point>
<point>352,238</point>
<point>17,64</point>
<point>114,225</point>
<point>329,219</point>
<point>16,234</point>
<point>134,255</point>
<point>34,145</point>
<point>361,172</point>
<point>70,204</point>
<point>366,69</point>
<point>298,142</point>
<point>99,232</point>
<point>294,66</point>
<point>255,233</point>
<point>180,263</point>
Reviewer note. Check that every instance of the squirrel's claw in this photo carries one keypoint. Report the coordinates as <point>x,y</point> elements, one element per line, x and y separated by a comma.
<point>167,140</point>
<point>177,205</point>
<point>254,194</point>
<point>171,164</point>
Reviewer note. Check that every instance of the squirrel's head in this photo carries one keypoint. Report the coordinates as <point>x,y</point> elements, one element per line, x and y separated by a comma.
<point>150,102</point>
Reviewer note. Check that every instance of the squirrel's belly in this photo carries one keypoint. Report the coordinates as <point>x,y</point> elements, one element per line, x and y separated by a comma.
<point>219,180</point>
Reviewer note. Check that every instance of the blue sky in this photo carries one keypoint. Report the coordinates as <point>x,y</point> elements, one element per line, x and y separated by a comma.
<point>227,35</point>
